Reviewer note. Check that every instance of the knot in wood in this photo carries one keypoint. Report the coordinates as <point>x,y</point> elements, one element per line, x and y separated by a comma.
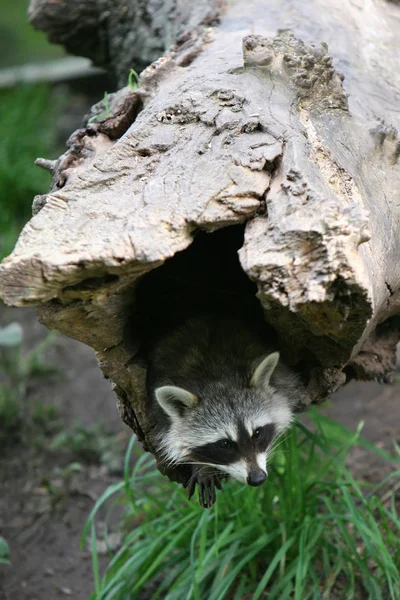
<point>258,51</point>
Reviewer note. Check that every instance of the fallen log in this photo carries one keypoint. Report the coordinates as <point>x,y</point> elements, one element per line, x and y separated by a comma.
<point>240,123</point>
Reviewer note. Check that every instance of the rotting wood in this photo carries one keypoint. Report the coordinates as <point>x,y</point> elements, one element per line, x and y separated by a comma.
<point>235,124</point>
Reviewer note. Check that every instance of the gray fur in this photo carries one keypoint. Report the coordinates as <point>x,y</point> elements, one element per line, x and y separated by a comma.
<point>211,376</point>
<point>175,401</point>
<point>263,373</point>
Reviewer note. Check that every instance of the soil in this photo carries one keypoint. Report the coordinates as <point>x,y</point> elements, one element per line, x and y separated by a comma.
<point>42,525</point>
<point>44,503</point>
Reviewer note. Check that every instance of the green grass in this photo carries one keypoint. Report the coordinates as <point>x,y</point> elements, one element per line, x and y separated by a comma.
<point>27,131</point>
<point>310,532</point>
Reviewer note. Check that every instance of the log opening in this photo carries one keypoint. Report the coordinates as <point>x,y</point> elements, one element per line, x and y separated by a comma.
<point>206,277</point>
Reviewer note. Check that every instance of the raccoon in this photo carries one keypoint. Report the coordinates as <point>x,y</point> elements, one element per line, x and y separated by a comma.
<point>221,396</point>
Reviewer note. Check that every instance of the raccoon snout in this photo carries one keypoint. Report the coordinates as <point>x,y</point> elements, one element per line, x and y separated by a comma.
<point>256,477</point>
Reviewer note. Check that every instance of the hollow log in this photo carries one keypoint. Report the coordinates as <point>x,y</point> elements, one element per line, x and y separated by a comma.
<point>246,120</point>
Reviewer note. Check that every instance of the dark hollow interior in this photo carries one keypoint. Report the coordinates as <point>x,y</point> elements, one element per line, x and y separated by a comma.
<point>206,278</point>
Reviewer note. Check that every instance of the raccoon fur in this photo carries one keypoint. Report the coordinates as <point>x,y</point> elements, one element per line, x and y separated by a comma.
<point>220,396</point>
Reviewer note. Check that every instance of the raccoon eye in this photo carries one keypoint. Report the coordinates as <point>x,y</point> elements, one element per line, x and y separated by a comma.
<point>257,434</point>
<point>224,444</point>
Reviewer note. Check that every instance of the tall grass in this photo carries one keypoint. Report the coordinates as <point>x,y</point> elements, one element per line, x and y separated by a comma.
<point>310,532</point>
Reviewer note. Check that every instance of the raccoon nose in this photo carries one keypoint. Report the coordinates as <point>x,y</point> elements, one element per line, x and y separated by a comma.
<point>256,477</point>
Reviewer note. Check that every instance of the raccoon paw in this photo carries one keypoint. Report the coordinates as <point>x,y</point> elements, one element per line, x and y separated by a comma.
<point>207,480</point>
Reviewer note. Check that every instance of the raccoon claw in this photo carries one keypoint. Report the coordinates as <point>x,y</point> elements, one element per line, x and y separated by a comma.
<point>207,480</point>
<point>207,496</point>
<point>191,487</point>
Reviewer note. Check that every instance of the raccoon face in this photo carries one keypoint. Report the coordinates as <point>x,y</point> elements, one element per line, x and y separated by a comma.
<point>230,427</point>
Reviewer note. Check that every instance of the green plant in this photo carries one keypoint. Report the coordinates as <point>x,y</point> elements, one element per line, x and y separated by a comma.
<point>11,335</point>
<point>4,552</point>
<point>45,417</point>
<point>17,371</point>
<point>27,126</point>
<point>18,367</point>
<point>106,112</point>
<point>133,83</point>
<point>89,444</point>
<point>133,80</point>
<point>311,532</point>
<point>10,414</point>
<point>58,483</point>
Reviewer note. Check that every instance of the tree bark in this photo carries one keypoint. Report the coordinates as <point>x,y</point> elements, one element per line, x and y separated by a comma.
<point>242,122</point>
<point>120,35</point>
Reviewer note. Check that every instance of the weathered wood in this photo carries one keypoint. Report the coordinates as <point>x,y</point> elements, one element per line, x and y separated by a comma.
<point>237,125</point>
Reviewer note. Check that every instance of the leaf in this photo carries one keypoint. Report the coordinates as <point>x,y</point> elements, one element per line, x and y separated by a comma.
<point>11,335</point>
<point>4,552</point>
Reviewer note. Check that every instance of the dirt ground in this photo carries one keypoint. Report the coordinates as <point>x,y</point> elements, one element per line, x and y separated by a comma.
<point>43,525</point>
<point>44,503</point>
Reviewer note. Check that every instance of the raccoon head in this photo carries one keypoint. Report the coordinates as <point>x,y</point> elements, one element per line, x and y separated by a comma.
<point>230,426</point>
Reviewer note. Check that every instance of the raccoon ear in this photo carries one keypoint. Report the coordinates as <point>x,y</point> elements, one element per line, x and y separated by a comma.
<point>263,373</point>
<point>175,401</point>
